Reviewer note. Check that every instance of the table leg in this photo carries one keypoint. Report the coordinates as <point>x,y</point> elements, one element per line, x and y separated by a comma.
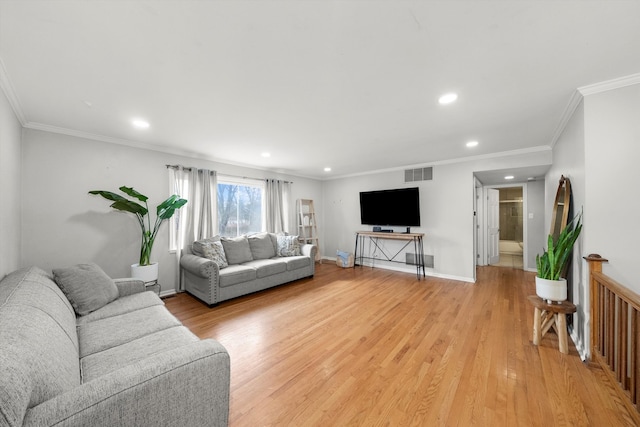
<point>536,326</point>
<point>561,324</point>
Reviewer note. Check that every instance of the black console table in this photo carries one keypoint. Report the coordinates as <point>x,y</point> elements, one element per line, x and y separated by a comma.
<point>373,236</point>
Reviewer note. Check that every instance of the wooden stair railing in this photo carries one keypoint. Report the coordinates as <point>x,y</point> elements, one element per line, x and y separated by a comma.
<point>615,343</point>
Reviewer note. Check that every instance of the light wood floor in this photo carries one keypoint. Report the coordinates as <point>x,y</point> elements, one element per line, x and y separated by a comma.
<point>369,347</point>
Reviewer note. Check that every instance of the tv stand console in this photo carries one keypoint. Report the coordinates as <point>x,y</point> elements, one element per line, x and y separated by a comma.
<point>374,237</point>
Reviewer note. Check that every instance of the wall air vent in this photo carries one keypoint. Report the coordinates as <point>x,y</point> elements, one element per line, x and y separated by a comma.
<point>420,174</point>
<point>412,259</point>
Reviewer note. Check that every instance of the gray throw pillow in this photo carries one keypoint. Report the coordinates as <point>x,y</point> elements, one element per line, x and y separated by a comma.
<point>236,249</point>
<point>86,286</point>
<point>288,246</point>
<point>262,246</point>
<point>198,246</point>
<point>215,252</point>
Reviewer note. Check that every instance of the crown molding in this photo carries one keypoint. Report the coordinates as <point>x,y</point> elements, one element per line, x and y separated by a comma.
<point>633,79</point>
<point>7,88</point>
<point>499,154</point>
<point>583,91</point>
<point>153,147</point>
<point>570,109</point>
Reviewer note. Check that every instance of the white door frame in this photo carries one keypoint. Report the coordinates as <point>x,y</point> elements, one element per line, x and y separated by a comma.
<point>525,252</point>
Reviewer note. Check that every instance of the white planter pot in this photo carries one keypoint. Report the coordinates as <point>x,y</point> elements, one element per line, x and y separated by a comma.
<point>146,273</point>
<point>551,290</point>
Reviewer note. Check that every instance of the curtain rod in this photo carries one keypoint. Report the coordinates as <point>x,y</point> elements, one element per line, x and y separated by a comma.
<point>230,176</point>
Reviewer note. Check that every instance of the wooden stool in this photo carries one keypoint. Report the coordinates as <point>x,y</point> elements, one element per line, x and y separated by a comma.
<point>547,315</point>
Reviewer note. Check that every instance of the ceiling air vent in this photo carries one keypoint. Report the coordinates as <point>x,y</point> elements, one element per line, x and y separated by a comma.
<point>420,174</point>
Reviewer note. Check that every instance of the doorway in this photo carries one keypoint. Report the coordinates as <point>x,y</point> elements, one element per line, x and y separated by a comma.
<point>511,219</point>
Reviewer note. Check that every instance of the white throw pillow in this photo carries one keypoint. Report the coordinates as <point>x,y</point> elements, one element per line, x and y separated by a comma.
<point>215,252</point>
<point>288,246</point>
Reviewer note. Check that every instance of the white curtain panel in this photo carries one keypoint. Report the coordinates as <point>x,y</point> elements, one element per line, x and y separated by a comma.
<point>277,202</point>
<point>198,218</point>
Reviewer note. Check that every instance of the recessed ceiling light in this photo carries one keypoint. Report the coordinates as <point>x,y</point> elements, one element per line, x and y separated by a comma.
<point>265,154</point>
<point>327,169</point>
<point>448,98</point>
<point>509,177</point>
<point>472,143</point>
<point>140,124</point>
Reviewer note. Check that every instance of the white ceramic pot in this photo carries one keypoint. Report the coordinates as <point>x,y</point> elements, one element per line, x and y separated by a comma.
<point>146,273</point>
<point>551,290</point>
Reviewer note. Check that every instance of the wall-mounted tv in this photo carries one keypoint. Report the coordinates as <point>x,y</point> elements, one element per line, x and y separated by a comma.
<point>399,207</point>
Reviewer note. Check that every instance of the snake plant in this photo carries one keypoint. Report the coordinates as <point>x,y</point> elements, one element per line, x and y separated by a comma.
<point>553,260</point>
<point>165,210</point>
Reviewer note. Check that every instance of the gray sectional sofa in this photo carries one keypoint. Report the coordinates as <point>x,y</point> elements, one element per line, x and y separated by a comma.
<point>128,362</point>
<point>219,268</point>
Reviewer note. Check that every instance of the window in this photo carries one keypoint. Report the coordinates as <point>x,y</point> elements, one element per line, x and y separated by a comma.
<point>235,205</point>
<point>240,206</point>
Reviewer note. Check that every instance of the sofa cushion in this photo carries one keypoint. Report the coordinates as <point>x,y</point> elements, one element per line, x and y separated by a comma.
<point>296,262</point>
<point>198,246</point>
<point>121,306</point>
<point>267,267</point>
<point>111,359</point>
<point>235,274</point>
<point>87,287</point>
<point>39,351</point>
<point>215,252</point>
<point>103,334</point>
<point>236,249</point>
<point>288,246</point>
<point>262,246</point>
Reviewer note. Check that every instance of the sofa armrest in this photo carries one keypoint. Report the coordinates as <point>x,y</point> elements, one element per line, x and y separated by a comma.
<point>201,267</point>
<point>186,386</point>
<point>309,250</point>
<point>129,286</point>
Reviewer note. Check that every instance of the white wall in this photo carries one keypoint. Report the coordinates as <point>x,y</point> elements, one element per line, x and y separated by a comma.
<point>63,225</point>
<point>569,160</point>
<point>536,230</point>
<point>10,164</point>
<point>612,140</point>
<point>446,210</point>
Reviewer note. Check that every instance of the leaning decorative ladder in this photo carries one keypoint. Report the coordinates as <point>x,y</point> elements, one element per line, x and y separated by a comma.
<point>308,225</point>
<point>615,329</point>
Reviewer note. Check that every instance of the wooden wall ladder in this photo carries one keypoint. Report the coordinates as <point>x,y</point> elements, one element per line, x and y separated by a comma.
<point>308,225</point>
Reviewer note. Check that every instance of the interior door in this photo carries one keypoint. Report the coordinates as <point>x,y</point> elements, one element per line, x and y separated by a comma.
<point>493,226</point>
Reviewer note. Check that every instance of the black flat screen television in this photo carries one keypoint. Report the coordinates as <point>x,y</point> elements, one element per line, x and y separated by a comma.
<point>399,207</point>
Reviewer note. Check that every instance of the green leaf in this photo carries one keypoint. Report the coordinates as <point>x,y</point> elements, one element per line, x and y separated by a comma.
<point>108,195</point>
<point>129,191</point>
<point>167,208</point>
<point>129,206</point>
<point>553,261</point>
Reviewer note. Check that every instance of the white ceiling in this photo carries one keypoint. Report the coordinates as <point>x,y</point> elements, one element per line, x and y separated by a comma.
<point>348,84</point>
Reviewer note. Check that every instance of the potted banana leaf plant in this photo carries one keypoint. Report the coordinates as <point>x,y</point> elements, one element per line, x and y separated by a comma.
<point>551,264</point>
<point>144,269</point>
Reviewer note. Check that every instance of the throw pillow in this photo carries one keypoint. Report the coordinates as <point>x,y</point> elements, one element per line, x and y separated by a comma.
<point>215,252</point>
<point>86,286</point>
<point>288,246</point>
<point>198,247</point>
<point>236,249</point>
<point>262,246</point>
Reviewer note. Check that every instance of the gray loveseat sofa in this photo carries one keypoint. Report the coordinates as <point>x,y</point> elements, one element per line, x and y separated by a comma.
<point>218,269</point>
<point>127,363</point>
